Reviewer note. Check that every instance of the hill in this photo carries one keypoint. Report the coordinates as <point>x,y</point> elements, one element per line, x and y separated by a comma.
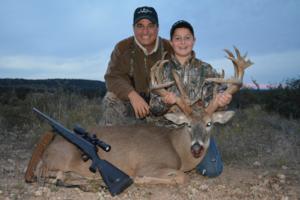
<point>22,87</point>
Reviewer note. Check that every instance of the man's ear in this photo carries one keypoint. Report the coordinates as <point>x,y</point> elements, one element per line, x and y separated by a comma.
<point>222,116</point>
<point>177,118</point>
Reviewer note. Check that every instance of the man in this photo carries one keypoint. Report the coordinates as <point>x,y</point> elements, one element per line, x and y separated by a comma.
<point>127,76</point>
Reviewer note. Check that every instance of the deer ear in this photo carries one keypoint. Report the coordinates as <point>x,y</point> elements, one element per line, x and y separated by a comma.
<point>177,118</point>
<point>222,116</point>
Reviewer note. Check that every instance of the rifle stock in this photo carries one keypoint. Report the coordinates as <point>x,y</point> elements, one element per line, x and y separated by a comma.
<point>115,179</point>
<point>118,182</point>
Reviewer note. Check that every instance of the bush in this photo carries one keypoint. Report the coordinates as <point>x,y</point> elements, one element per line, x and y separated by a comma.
<point>68,108</point>
<point>255,135</point>
<point>283,99</point>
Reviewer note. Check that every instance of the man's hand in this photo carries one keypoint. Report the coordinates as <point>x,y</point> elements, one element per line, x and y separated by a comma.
<point>141,108</point>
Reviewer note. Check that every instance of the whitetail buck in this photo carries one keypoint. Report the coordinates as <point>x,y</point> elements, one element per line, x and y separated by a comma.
<point>147,153</point>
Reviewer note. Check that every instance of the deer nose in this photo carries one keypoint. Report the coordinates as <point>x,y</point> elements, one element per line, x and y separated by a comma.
<point>197,150</point>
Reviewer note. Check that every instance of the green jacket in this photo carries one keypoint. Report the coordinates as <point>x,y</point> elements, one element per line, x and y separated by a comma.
<point>129,67</point>
<point>192,74</point>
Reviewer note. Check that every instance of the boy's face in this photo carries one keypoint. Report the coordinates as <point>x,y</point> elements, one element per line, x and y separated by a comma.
<point>146,33</point>
<point>182,42</point>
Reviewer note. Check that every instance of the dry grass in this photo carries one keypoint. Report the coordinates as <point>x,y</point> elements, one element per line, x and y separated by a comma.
<point>255,135</point>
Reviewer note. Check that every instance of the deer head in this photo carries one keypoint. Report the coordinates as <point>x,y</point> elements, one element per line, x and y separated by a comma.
<point>199,123</point>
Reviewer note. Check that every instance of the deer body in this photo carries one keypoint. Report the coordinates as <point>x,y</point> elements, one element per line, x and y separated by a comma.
<point>140,151</point>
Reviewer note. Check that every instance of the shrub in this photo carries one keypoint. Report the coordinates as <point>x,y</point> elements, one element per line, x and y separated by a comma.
<point>284,99</point>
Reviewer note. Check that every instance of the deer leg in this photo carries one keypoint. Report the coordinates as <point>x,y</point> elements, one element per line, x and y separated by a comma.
<point>162,176</point>
<point>74,180</point>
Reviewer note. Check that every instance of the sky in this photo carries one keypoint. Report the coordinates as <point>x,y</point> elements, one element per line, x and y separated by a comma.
<point>41,39</point>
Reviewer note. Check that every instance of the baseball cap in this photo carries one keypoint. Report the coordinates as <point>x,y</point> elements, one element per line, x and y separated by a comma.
<point>145,12</point>
<point>181,24</point>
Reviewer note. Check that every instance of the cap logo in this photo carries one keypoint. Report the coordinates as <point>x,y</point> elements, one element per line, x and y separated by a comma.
<point>144,10</point>
<point>145,13</point>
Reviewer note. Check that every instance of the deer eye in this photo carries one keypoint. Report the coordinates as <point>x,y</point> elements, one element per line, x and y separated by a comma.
<point>188,125</point>
<point>208,124</point>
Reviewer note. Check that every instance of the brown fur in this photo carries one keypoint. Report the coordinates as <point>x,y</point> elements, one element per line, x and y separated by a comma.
<point>148,154</point>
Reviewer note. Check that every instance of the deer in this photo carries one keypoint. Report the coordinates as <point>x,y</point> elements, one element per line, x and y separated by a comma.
<point>147,153</point>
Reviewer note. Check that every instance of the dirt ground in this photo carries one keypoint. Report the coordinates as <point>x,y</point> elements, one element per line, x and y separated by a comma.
<point>247,182</point>
<point>240,180</point>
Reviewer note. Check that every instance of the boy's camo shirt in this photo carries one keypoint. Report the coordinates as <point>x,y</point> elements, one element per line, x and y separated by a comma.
<point>192,75</point>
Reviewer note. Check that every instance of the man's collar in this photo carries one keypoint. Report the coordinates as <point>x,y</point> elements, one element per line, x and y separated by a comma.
<point>144,49</point>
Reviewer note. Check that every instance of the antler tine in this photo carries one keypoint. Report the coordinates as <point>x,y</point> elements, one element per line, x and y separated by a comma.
<point>159,88</point>
<point>180,87</point>
<point>152,74</point>
<point>249,63</point>
<point>222,80</point>
<point>155,76</point>
<point>223,73</point>
<point>234,84</point>
<point>230,55</point>
<point>162,85</point>
<point>237,52</point>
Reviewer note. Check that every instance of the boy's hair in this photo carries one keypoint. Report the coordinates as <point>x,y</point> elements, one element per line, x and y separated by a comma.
<point>181,24</point>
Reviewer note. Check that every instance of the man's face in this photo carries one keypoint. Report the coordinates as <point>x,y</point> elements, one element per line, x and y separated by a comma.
<point>146,33</point>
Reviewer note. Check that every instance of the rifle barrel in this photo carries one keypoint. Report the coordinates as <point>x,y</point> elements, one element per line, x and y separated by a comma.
<point>89,149</point>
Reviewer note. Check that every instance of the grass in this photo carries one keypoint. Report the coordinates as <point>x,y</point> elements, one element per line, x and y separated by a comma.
<point>252,135</point>
<point>255,135</point>
<point>65,108</point>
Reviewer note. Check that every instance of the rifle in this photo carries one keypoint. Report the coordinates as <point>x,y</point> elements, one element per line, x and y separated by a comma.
<point>115,179</point>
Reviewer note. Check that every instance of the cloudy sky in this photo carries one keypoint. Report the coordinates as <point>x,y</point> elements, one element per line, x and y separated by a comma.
<point>74,38</point>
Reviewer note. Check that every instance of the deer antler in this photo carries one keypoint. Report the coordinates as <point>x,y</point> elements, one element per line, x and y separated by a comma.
<point>156,76</point>
<point>179,85</point>
<point>240,63</point>
<point>159,88</point>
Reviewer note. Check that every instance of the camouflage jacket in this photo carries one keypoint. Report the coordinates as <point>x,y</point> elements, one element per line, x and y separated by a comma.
<point>192,75</point>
